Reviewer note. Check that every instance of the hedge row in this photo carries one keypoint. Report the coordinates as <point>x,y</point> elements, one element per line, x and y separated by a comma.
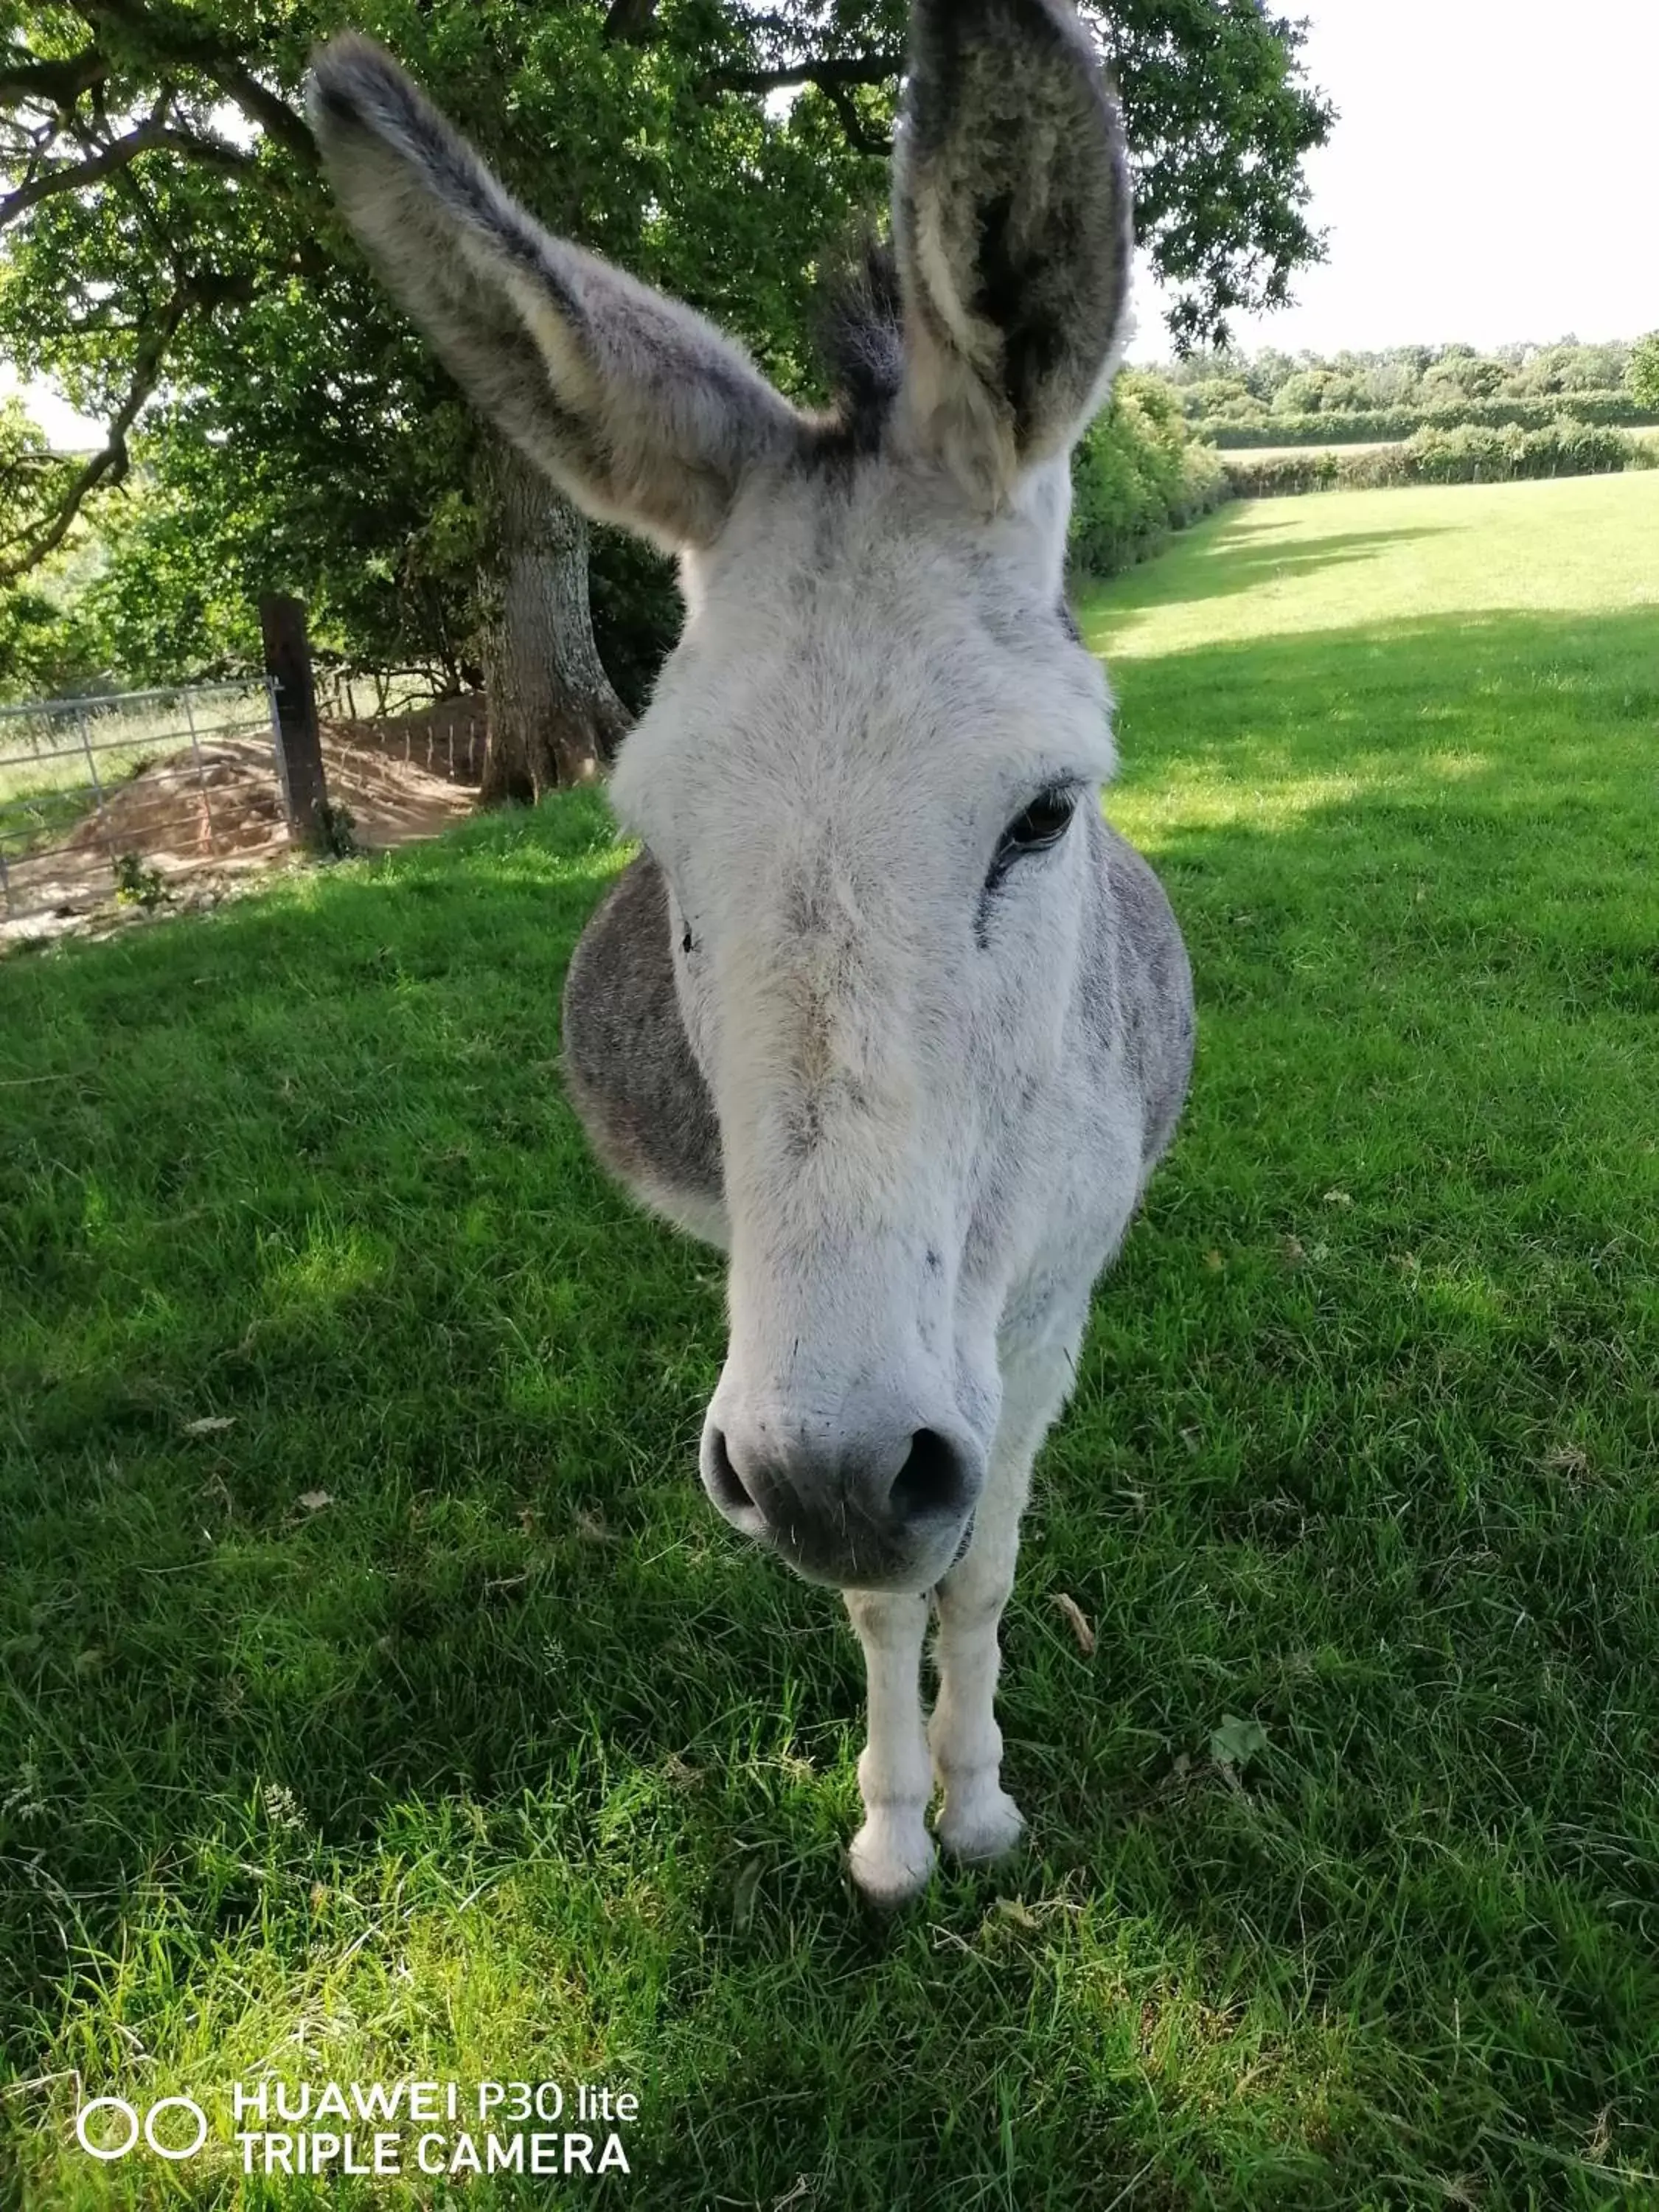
<point>1360,427</point>
<point>1137,475</point>
<point>1468,452</point>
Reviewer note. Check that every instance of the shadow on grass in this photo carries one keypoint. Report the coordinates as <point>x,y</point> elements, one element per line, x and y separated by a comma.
<point>1542,714</point>
<point>354,1550</point>
<point>1236,549</point>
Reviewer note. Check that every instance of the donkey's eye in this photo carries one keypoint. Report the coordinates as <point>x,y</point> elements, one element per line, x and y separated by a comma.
<point>1043,823</point>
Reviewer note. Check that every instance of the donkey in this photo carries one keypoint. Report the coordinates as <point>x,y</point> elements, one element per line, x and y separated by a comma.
<point>883,1009</point>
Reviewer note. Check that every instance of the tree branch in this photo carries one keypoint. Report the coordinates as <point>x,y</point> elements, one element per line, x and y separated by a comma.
<point>23,76</point>
<point>38,464</point>
<point>109,464</point>
<point>70,176</point>
<point>180,40</point>
<point>629,22</point>
<point>825,71</point>
<point>145,137</point>
<point>861,140</point>
<point>273,115</point>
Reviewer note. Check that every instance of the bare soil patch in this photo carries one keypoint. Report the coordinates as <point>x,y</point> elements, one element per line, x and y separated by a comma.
<point>200,830</point>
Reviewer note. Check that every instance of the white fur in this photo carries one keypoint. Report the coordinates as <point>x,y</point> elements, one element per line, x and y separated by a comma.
<point>824,775</point>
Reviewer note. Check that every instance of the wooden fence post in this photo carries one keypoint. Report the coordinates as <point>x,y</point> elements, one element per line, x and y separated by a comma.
<point>299,741</point>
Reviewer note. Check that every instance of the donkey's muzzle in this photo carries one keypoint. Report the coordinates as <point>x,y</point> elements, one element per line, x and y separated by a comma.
<point>870,1512</point>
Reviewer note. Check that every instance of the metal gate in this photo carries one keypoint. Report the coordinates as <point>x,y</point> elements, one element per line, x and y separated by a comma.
<point>127,794</point>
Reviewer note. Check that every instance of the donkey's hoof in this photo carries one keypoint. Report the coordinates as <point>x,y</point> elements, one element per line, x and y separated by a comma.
<point>892,1862</point>
<point>981,1824</point>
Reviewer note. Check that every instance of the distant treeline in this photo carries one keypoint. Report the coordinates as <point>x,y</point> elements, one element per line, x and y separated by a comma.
<point>1459,452</point>
<point>1427,414</point>
<point>1363,427</point>
<point>1313,398</point>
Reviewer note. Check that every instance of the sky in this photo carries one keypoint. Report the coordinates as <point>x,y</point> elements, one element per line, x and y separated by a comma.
<point>1493,175</point>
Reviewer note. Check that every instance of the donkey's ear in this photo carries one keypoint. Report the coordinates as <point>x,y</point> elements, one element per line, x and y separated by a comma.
<point>638,408</point>
<point>1012,221</point>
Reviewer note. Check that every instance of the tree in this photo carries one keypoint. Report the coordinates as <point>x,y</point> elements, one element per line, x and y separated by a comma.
<point>42,645</point>
<point>1316,390</point>
<point>169,254</point>
<point>1643,374</point>
<point>1268,371</point>
<point>1568,366</point>
<point>169,242</point>
<point>1219,398</point>
<point>552,722</point>
<point>1461,374</point>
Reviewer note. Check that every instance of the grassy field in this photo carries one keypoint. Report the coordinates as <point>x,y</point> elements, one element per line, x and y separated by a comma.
<point>382,1697</point>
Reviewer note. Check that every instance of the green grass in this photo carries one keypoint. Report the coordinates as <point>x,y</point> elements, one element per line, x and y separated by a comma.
<point>31,820</point>
<point>507,1759</point>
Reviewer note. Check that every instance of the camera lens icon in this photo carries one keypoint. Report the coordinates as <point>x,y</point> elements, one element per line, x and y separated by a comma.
<point>129,2118</point>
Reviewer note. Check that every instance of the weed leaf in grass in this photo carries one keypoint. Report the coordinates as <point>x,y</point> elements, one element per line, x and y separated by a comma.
<point>1236,1742</point>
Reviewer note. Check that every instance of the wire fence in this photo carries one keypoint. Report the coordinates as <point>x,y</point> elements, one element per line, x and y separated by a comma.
<point>144,795</point>
<point>443,737</point>
<point>120,792</point>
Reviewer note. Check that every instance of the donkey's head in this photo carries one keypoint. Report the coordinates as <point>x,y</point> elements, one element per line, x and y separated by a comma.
<point>867,767</point>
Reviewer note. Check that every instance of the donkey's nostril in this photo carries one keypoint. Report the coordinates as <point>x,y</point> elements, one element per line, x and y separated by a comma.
<point>724,1484</point>
<point>934,1479</point>
<point>838,1504</point>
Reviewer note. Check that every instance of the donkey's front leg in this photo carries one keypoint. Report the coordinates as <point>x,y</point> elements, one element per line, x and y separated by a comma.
<point>892,1853</point>
<point>979,1819</point>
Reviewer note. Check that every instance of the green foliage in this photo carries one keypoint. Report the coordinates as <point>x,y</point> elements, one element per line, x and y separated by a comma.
<point>1317,390</point>
<point>47,646</point>
<point>24,457</point>
<point>1472,452</point>
<point>1644,371</point>
<point>1270,398</point>
<point>1446,453</point>
<point>1218,399</point>
<point>1461,373</point>
<point>47,643</point>
<point>337,833</point>
<point>1219,121</point>
<point>298,435</point>
<point>1356,428</point>
<point>136,885</point>
<point>1270,476</point>
<point>149,589</point>
<point>1550,371</point>
<point>1137,475</point>
<point>637,610</point>
<point>165,602</point>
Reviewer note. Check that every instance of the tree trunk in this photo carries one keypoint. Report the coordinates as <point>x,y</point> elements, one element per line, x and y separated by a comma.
<point>552,716</point>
